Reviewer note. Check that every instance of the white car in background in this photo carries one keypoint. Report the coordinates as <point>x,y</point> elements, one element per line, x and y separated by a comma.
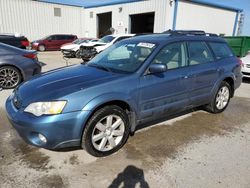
<point>89,50</point>
<point>246,65</point>
<point>72,49</point>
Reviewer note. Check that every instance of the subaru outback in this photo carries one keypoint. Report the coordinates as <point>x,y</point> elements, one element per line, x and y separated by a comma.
<point>141,79</point>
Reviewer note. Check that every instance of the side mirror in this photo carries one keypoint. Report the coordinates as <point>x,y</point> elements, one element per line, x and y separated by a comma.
<point>157,68</point>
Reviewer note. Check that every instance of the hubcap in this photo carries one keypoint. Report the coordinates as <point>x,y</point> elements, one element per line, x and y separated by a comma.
<point>222,98</point>
<point>108,133</point>
<point>9,78</point>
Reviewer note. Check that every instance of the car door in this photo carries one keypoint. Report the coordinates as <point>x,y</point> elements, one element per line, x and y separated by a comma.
<point>204,72</point>
<point>50,42</point>
<point>167,92</point>
<point>60,40</point>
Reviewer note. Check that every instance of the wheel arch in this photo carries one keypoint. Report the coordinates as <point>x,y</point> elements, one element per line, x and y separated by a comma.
<point>106,100</point>
<point>230,81</point>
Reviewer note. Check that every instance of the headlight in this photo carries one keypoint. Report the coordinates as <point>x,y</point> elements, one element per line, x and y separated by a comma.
<point>45,108</point>
<point>35,43</point>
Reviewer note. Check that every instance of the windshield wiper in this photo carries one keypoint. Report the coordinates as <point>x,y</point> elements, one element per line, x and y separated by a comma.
<point>99,66</point>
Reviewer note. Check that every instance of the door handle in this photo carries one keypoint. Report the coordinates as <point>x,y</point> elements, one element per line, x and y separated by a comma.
<point>188,76</point>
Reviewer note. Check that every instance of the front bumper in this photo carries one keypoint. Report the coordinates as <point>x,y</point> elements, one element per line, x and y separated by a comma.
<point>68,53</point>
<point>246,70</point>
<point>34,46</point>
<point>61,131</point>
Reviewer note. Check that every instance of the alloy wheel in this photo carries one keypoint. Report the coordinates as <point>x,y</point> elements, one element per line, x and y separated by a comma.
<point>9,77</point>
<point>108,133</point>
<point>222,97</point>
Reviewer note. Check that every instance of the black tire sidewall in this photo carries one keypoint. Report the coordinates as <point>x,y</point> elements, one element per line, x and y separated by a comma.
<point>95,118</point>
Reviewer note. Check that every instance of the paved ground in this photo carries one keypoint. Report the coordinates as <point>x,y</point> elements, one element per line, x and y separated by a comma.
<point>195,150</point>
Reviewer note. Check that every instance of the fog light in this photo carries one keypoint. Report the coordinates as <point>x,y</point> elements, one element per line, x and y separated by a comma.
<point>42,138</point>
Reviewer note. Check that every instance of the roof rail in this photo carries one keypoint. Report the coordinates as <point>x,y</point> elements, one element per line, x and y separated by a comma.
<point>189,32</point>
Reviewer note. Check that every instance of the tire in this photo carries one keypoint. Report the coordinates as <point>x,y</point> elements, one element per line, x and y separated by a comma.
<point>41,48</point>
<point>77,54</point>
<point>98,139</point>
<point>220,101</point>
<point>10,77</point>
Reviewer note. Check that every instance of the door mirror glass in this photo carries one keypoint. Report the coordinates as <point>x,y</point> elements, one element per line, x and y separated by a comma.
<point>157,68</point>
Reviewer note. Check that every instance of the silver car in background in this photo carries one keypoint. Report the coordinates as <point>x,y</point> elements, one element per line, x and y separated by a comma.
<point>246,65</point>
<point>17,65</point>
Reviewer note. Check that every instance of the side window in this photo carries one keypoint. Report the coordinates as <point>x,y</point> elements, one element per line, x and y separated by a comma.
<point>221,50</point>
<point>51,38</point>
<point>173,56</point>
<point>60,37</point>
<point>199,53</point>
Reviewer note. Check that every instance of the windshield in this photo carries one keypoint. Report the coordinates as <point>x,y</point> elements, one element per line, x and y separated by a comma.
<point>125,57</point>
<point>106,39</point>
<point>79,41</point>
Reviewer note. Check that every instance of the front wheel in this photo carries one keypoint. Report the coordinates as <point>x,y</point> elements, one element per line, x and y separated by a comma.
<point>106,131</point>
<point>221,99</point>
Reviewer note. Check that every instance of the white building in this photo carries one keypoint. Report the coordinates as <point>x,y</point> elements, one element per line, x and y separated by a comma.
<point>36,19</point>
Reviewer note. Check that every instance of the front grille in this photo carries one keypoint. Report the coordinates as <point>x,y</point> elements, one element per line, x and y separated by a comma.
<point>17,102</point>
<point>246,73</point>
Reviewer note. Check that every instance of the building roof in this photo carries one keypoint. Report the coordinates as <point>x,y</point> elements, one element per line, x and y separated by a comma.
<point>99,3</point>
<point>88,3</point>
<point>213,4</point>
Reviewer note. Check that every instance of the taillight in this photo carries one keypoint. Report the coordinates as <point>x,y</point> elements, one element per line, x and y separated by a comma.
<point>240,62</point>
<point>25,43</point>
<point>30,56</point>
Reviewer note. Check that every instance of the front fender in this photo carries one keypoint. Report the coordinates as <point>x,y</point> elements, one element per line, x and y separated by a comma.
<point>218,82</point>
<point>108,97</point>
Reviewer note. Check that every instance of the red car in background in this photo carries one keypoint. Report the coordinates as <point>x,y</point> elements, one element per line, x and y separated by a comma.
<point>52,42</point>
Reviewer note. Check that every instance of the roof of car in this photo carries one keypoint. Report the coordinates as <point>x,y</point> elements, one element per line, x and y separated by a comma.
<point>159,38</point>
<point>122,35</point>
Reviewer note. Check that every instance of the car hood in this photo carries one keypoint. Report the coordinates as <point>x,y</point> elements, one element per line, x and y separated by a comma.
<point>70,46</point>
<point>93,44</point>
<point>57,84</point>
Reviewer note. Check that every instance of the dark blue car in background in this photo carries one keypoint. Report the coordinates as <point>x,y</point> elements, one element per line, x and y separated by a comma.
<point>135,81</point>
<point>17,65</point>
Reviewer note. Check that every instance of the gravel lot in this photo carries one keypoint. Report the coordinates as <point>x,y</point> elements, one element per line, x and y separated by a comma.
<point>195,150</point>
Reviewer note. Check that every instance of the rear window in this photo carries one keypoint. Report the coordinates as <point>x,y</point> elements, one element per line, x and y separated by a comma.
<point>199,53</point>
<point>221,50</point>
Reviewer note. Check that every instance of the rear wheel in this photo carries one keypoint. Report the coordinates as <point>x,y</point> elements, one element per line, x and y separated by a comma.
<point>41,48</point>
<point>10,77</point>
<point>221,99</point>
<point>106,131</point>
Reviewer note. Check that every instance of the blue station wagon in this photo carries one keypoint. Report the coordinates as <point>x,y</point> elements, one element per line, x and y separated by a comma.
<point>141,79</point>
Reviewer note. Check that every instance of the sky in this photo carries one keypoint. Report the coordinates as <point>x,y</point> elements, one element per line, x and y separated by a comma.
<point>241,4</point>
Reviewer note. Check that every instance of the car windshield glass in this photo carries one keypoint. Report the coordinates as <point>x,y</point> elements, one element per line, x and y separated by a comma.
<point>125,57</point>
<point>46,37</point>
<point>79,41</point>
<point>106,39</point>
